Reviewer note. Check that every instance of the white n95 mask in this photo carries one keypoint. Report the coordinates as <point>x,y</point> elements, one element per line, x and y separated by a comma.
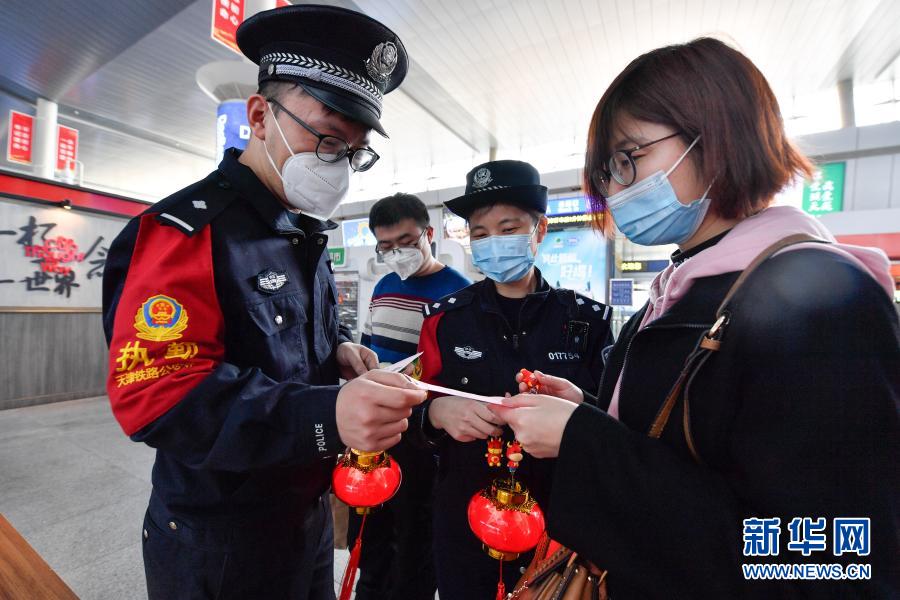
<point>312,185</point>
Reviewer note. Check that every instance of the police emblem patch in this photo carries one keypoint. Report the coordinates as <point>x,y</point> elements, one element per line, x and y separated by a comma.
<point>270,280</point>
<point>160,319</point>
<point>383,61</point>
<point>482,178</point>
<point>468,352</point>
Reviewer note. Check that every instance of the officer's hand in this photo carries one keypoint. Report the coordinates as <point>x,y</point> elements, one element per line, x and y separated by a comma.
<point>463,419</point>
<point>355,359</point>
<point>554,386</point>
<point>537,420</point>
<point>372,409</point>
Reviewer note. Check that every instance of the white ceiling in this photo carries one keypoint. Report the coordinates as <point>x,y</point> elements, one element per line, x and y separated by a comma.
<point>523,75</point>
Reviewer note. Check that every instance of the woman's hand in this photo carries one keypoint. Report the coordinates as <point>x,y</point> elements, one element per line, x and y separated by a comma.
<point>463,419</point>
<point>554,386</point>
<point>537,420</point>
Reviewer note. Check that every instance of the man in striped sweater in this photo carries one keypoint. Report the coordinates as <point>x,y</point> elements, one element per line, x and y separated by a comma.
<point>396,560</point>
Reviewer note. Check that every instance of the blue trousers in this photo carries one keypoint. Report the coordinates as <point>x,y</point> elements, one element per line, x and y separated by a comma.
<point>272,559</point>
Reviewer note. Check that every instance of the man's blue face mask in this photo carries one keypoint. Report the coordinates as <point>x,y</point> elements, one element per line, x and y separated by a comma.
<point>649,213</point>
<point>504,258</point>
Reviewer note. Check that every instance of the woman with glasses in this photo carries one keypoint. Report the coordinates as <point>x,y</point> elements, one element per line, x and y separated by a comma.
<point>737,426</point>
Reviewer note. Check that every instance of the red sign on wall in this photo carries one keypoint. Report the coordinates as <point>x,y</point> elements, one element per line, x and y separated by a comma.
<point>66,147</point>
<point>227,15</point>
<point>282,3</point>
<point>21,133</point>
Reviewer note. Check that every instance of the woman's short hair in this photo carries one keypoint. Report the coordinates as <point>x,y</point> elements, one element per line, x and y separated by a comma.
<point>704,88</point>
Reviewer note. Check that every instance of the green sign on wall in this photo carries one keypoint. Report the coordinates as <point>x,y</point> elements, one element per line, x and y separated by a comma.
<point>338,256</point>
<point>825,193</point>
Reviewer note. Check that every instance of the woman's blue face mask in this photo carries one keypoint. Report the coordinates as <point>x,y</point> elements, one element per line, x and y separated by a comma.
<point>504,258</point>
<point>649,213</point>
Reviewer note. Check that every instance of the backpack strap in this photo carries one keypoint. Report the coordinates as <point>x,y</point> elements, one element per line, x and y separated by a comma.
<point>711,341</point>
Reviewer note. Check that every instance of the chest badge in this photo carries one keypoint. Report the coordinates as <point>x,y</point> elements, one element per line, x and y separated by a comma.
<point>468,352</point>
<point>270,280</point>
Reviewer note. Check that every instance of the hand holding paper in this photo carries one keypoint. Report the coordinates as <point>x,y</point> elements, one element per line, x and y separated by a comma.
<point>457,393</point>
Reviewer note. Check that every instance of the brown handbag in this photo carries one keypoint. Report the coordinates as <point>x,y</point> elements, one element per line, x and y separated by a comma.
<point>566,576</point>
<point>563,575</point>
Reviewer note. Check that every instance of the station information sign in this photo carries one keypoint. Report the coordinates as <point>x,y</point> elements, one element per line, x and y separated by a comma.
<point>20,136</point>
<point>66,147</point>
<point>621,292</point>
<point>227,16</point>
<point>825,192</point>
<point>643,266</point>
<point>338,256</point>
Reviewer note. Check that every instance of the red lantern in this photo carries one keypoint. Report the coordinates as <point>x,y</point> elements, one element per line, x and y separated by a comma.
<point>506,519</point>
<point>363,480</point>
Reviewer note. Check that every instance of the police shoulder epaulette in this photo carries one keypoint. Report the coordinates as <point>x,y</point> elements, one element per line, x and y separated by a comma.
<point>591,308</point>
<point>195,207</point>
<point>447,303</point>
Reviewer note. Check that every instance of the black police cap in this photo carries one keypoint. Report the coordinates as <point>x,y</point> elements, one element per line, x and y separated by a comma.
<point>342,58</point>
<point>510,182</point>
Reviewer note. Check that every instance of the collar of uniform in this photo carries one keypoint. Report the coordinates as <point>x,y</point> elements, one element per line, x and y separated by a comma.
<point>266,204</point>
<point>488,294</point>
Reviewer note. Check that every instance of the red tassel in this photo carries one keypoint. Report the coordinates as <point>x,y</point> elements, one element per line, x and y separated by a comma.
<point>353,563</point>
<point>501,588</point>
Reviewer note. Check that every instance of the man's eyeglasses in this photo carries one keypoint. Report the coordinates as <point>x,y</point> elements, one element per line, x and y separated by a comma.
<point>332,149</point>
<point>621,167</point>
<point>383,248</point>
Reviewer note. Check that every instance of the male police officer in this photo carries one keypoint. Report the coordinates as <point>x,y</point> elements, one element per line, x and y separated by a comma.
<point>225,349</point>
<point>476,340</point>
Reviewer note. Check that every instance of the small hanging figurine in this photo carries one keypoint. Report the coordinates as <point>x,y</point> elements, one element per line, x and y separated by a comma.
<point>494,451</point>
<point>513,457</point>
<point>531,381</point>
<point>514,452</point>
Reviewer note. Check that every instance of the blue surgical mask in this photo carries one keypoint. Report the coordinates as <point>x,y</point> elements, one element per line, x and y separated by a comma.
<point>503,258</point>
<point>649,213</point>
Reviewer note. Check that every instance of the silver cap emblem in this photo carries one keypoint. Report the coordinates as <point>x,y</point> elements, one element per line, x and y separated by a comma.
<point>383,61</point>
<point>482,178</point>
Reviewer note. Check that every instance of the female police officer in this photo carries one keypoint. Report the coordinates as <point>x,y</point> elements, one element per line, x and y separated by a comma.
<point>789,431</point>
<point>477,339</point>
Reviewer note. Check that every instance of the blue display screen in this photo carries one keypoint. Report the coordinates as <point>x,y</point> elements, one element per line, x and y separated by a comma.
<point>574,259</point>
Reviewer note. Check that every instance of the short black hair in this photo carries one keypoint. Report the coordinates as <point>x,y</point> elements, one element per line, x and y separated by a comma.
<point>273,89</point>
<point>393,209</point>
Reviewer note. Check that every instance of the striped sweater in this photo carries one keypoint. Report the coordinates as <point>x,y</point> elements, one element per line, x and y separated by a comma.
<point>395,316</point>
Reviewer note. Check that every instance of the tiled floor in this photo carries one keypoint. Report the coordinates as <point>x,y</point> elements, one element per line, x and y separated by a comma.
<point>76,488</point>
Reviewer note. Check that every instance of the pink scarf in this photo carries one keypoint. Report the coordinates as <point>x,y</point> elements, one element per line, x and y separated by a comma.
<point>737,250</point>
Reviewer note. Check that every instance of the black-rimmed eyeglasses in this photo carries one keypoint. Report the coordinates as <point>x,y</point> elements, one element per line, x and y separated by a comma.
<point>331,149</point>
<point>621,166</point>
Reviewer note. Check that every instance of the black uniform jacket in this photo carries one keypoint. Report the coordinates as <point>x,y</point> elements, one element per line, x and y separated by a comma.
<point>469,345</point>
<point>220,311</point>
<point>796,416</point>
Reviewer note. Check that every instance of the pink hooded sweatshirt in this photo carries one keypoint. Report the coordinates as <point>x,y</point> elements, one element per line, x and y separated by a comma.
<point>737,250</point>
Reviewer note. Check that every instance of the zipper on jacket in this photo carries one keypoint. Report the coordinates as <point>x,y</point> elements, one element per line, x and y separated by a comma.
<point>513,336</point>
